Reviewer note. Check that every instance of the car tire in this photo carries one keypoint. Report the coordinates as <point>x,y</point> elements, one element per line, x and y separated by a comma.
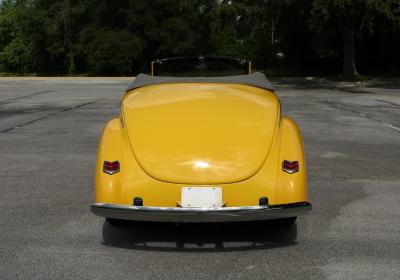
<point>287,221</point>
<point>116,222</point>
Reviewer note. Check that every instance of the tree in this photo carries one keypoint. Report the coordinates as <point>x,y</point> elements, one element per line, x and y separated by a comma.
<point>168,27</point>
<point>63,23</point>
<point>123,36</point>
<point>351,17</point>
<point>23,49</point>
<point>110,51</point>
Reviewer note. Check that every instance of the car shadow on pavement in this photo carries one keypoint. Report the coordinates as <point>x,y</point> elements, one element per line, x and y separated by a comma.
<point>200,237</point>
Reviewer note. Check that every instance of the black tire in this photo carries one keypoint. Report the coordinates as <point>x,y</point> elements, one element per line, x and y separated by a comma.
<point>117,222</point>
<point>287,221</point>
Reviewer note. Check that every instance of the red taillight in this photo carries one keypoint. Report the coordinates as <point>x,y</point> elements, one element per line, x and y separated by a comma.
<point>111,167</point>
<point>290,166</point>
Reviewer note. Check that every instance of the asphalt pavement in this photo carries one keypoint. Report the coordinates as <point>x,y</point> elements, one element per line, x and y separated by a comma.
<point>49,131</point>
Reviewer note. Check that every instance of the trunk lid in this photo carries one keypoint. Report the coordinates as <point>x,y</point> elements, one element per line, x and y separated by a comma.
<point>200,133</point>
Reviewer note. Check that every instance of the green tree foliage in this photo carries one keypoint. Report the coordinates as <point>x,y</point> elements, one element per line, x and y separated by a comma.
<point>350,18</point>
<point>22,36</point>
<point>119,37</point>
<point>62,21</point>
<point>110,51</point>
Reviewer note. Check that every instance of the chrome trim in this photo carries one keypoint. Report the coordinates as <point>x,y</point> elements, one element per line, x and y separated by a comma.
<point>179,214</point>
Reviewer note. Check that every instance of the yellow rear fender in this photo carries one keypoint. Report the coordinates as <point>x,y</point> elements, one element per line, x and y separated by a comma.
<point>291,187</point>
<point>108,187</point>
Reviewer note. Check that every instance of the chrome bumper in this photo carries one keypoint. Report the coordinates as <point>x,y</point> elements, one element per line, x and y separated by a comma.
<point>179,214</point>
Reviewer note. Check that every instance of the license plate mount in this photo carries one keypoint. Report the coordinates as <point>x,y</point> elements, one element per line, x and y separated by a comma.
<point>201,197</point>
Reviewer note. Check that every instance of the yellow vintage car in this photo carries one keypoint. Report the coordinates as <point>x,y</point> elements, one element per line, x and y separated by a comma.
<point>200,148</point>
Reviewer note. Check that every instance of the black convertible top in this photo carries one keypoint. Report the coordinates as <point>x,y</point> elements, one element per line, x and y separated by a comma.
<point>256,79</point>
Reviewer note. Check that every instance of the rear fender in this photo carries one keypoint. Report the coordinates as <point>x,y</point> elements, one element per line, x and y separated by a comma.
<point>291,187</point>
<point>108,187</point>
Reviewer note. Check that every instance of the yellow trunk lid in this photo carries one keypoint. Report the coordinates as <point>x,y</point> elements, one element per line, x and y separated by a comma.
<point>200,133</point>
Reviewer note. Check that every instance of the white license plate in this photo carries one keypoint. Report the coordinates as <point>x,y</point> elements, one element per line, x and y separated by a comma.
<point>210,197</point>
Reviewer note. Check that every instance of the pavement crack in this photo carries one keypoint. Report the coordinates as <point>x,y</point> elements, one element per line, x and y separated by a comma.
<point>46,116</point>
<point>392,104</point>
<point>393,127</point>
<point>363,115</point>
<point>2,102</point>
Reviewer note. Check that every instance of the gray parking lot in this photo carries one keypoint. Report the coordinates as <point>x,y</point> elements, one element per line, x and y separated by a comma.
<point>49,130</point>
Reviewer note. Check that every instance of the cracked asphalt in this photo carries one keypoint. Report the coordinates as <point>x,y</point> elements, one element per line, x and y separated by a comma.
<point>49,130</point>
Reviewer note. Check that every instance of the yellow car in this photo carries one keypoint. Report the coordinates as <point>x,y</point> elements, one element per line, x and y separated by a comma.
<point>200,149</point>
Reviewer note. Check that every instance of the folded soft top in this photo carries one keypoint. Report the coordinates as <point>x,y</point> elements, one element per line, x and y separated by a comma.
<point>256,79</point>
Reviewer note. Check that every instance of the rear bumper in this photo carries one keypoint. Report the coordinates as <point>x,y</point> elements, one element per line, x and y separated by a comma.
<point>179,214</point>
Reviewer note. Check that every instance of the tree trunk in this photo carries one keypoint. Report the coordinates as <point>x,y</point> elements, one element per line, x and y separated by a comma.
<point>71,68</point>
<point>349,61</point>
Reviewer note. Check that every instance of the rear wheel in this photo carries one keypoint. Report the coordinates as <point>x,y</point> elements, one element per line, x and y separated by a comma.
<point>117,222</point>
<point>286,221</point>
